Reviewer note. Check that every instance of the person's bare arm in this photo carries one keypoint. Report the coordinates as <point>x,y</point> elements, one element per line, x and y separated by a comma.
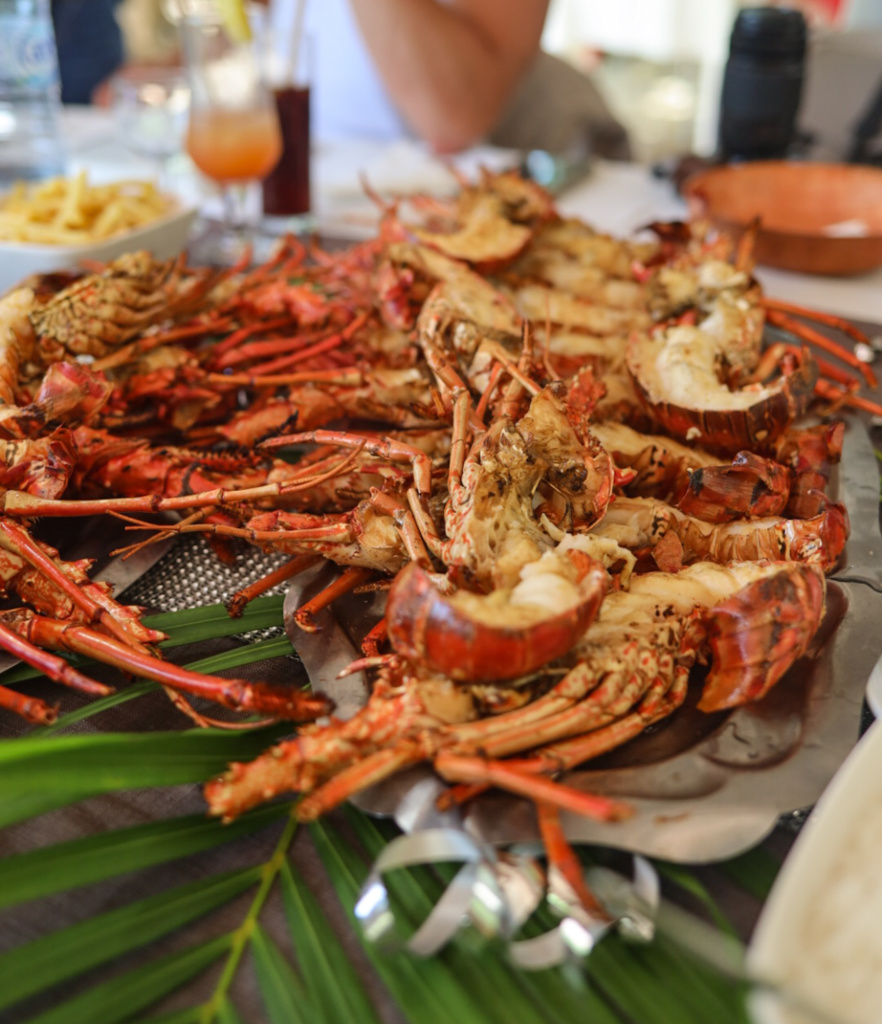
<point>450,68</point>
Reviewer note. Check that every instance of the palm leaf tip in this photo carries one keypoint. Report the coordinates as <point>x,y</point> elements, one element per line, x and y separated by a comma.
<point>69,952</point>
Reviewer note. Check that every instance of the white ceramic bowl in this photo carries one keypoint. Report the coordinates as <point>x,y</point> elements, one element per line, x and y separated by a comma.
<point>164,237</point>
<point>844,821</point>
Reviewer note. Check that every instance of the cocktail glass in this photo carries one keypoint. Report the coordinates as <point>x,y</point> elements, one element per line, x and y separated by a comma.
<point>233,135</point>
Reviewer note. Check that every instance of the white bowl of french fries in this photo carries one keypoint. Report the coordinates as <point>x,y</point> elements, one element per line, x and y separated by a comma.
<point>61,223</point>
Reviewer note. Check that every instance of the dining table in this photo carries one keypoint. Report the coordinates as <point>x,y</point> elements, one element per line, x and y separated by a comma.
<point>620,198</point>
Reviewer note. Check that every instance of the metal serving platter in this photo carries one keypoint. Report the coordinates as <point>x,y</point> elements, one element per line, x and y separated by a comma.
<point>702,787</point>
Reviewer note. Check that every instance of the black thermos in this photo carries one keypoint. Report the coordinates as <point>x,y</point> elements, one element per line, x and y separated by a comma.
<point>762,83</point>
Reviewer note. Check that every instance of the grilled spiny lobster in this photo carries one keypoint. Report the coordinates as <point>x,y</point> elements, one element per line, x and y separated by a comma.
<point>568,456</point>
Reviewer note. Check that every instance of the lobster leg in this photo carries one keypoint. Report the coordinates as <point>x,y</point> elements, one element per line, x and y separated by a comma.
<point>827,370</point>
<point>344,584</point>
<point>281,702</point>
<point>458,448</point>
<point>601,707</point>
<point>357,777</point>
<point>447,375</point>
<point>55,668</point>
<point>326,344</point>
<point>456,768</point>
<point>276,346</point>
<point>577,685</point>
<point>384,448</point>
<point>837,396</point>
<point>370,645</point>
<point>306,353</point>
<point>229,343</point>
<point>129,353</point>
<point>340,377</point>
<point>661,700</point>
<point>562,857</point>
<point>236,604</point>
<point>330,530</point>
<point>31,709</point>
<point>513,368</point>
<point>115,619</point>
<point>409,526</point>
<point>814,337</point>
<point>484,401</point>
<point>18,503</point>
<point>830,319</point>
<point>40,590</point>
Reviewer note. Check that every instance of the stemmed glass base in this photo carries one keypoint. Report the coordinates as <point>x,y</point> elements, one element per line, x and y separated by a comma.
<point>244,231</point>
<point>291,224</point>
<point>230,240</point>
<point>238,222</point>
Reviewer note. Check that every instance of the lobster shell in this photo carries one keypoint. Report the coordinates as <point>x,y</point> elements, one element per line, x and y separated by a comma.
<point>758,633</point>
<point>729,430</point>
<point>428,628</point>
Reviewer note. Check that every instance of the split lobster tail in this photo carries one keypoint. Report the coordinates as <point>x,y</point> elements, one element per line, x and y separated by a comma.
<point>487,638</point>
<point>677,381</point>
<point>757,634</point>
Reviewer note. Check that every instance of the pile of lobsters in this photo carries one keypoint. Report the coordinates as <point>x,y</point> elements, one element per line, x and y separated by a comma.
<point>571,460</point>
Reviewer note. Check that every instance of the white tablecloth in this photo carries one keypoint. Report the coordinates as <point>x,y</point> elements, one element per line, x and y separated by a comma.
<point>618,198</point>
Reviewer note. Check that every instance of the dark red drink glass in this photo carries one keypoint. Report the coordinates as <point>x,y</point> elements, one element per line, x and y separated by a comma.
<point>286,189</point>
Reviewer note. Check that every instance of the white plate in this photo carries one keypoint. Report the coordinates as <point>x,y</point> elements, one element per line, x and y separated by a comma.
<point>848,813</point>
<point>164,237</point>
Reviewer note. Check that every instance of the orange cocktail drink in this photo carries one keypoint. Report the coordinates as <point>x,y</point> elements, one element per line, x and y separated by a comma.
<point>232,145</point>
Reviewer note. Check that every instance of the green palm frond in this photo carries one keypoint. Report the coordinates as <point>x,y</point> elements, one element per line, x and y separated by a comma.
<point>58,770</point>
<point>119,964</point>
<point>754,871</point>
<point>38,873</point>
<point>71,951</point>
<point>280,986</point>
<point>211,621</point>
<point>329,977</point>
<point>97,707</point>
<point>120,999</point>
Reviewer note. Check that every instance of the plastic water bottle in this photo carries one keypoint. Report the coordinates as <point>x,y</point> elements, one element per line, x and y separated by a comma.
<point>30,95</point>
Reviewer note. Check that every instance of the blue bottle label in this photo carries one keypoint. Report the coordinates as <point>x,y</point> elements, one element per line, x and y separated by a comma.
<point>28,58</point>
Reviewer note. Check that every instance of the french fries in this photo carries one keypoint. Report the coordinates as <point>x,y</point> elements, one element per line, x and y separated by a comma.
<point>70,211</point>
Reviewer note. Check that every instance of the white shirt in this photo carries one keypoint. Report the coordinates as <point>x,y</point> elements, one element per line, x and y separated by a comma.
<point>347,98</point>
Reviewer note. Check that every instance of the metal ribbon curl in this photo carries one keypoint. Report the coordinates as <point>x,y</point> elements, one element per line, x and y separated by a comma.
<point>631,908</point>
<point>481,893</point>
<point>572,939</point>
<point>496,892</point>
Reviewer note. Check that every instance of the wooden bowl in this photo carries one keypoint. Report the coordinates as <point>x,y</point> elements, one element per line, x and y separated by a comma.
<point>814,218</point>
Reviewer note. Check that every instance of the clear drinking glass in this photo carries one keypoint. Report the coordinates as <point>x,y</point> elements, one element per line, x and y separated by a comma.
<point>233,133</point>
<point>151,107</point>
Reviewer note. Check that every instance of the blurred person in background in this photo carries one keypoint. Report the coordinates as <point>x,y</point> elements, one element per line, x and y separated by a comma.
<point>90,45</point>
<point>451,72</point>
